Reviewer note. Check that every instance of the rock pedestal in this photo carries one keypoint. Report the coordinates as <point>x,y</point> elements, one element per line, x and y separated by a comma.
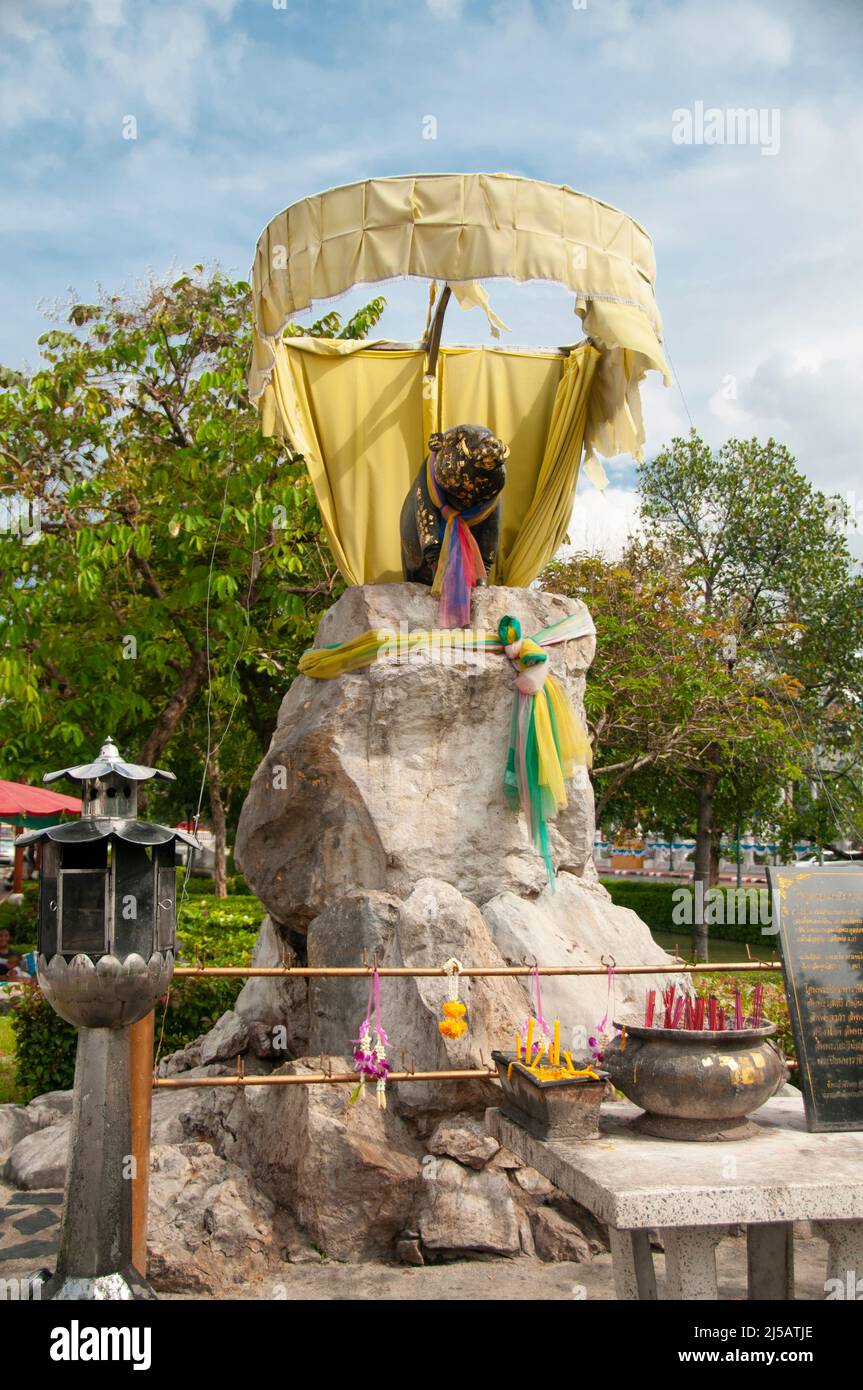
<point>376,828</point>
<point>394,773</point>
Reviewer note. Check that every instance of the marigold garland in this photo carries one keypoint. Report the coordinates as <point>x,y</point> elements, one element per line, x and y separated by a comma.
<point>454,1022</point>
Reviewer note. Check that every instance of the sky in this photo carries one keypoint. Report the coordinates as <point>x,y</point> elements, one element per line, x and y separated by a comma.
<point>241,107</point>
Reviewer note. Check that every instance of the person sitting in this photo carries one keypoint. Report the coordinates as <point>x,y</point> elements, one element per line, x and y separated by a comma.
<point>15,968</point>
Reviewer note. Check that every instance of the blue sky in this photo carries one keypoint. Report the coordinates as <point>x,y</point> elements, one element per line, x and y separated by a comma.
<point>243,106</point>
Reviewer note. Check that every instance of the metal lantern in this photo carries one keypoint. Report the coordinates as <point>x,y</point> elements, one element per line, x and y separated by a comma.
<point>105,955</point>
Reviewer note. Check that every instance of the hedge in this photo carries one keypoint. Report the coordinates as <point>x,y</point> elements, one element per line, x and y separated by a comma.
<point>20,918</point>
<point>223,931</point>
<point>655,903</point>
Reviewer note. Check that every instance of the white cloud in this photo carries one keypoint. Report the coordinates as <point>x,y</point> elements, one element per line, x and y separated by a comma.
<point>445,9</point>
<point>602,522</point>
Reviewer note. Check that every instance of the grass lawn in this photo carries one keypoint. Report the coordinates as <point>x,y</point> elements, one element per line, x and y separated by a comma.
<point>8,1089</point>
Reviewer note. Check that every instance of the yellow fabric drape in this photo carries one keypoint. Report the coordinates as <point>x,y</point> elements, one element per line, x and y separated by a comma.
<point>455,228</point>
<point>544,525</point>
<point>360,414</point>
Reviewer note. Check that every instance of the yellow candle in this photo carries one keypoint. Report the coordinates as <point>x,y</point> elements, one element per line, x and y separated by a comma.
<point>518,1047</point>
<point>556,1057</point>
<point>528,1046</point>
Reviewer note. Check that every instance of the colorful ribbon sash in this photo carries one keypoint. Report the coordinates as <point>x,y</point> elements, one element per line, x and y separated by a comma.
<point>547,739</point>
<point>460,566</point>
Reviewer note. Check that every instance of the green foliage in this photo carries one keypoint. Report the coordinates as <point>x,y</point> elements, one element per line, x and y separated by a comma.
<point>10,1092</point>
<point>214,932</point>
<point>661,697</point>
<point>775,1008</point>
<point>211,932</point>
<point>197,887</point>
<point>20,918</point>
<point>185,545</point>
<point>654,903</point>
<point>44,1047</point>
<point>762,559</point>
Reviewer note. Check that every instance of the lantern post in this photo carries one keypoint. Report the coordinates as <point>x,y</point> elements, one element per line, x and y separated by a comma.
<point>105,954</point>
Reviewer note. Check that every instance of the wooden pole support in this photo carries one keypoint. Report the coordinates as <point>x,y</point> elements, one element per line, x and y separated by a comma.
<point>141,1087</point>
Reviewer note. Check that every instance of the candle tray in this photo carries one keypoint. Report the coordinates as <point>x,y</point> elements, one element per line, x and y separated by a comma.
<point>565,1109</point>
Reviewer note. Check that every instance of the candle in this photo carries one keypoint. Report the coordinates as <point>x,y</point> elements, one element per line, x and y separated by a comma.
<point>651,1005</point>
<point>518,1046</point>
<point>528,1046</point>
<point>556,1056</point>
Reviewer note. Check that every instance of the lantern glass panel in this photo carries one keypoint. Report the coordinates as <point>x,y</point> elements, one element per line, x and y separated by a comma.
<point>82,911</point>
<point>133,901</point>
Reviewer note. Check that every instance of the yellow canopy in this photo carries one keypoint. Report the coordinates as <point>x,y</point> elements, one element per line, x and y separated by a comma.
<point>361,413</point>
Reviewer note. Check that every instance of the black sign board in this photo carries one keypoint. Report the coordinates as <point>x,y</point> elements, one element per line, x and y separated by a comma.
<point>818,913</point>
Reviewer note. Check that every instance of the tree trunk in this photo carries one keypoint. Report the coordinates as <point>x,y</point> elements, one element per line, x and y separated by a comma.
<point>217,811</point>
<point>703,861</point>
<point>192,679</point>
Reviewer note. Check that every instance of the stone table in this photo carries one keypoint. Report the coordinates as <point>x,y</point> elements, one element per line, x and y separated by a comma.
<point>693,1192</point>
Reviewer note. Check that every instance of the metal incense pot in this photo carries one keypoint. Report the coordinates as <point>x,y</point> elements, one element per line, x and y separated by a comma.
<point>105,950</point>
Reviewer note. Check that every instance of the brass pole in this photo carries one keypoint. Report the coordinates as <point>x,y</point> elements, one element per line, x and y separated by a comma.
<point>175,1083</point>
<point>141,1088</point>
<point>435,971</point>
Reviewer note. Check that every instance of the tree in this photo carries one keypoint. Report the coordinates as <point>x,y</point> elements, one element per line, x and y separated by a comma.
<point>177,566</point>
<point>763,560</point>
<point>662,695</point>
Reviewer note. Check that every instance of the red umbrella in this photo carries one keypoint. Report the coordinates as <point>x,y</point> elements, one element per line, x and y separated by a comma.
<point>17,799</point>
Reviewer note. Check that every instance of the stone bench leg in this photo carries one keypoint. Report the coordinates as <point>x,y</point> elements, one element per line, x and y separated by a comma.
<point>632,1263</point>
<point>844,1257</point>
<point>690,1261</point>
<point>770,1261</point>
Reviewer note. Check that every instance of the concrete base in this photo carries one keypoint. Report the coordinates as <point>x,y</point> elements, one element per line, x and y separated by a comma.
<point>126,1285</point>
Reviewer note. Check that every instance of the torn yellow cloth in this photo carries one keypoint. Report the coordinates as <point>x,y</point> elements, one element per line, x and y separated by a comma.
<point>361,413</point>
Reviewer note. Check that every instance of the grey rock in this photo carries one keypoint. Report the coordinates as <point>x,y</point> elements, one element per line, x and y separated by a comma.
<point>39,1159</point>
<point>534,1184</point>
<point>505,1161</point>
<point>468,1212</point>
<point>227,1038</point>
<point>53,1104</point>
<point>275,1010</point>
<point>210,1227</point>
<point>15,1123</point>
<point>557,1238</point>
<point>393,773</point>
<point>183,1060</point>
<point>465,1139</point>
<point>435,923</point>
<point>409,1251</point>
<point>577,924</point>
<point>349,1174</point>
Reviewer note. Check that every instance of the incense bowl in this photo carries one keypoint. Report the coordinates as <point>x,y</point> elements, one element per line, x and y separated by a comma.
<point>565,1109</point>
<point>693,1084</point>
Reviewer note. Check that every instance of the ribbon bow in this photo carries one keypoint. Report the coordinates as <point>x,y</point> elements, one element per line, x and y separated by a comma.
<point>460,566</point>
<point>545,738</point>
